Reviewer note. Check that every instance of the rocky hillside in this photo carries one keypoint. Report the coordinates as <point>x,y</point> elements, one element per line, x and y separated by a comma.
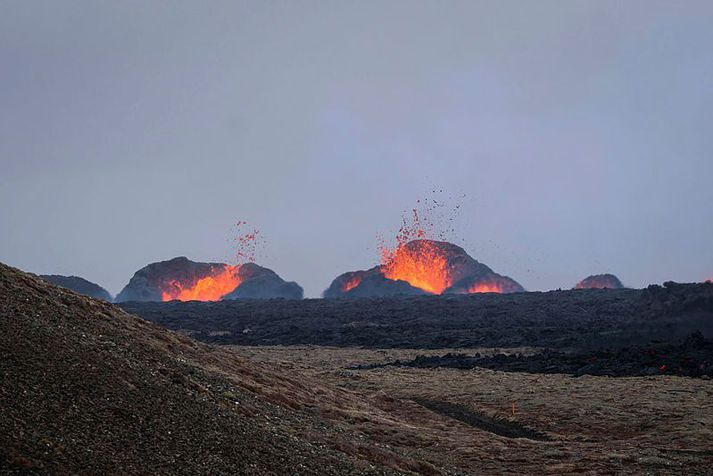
<point>88,388</point>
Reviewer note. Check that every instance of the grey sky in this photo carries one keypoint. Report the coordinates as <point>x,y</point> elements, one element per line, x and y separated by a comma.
<point>580,132</point>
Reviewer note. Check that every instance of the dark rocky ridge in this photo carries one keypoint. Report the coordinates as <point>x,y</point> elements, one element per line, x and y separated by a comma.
<point>78,285</point>
<point>258,282</point>
<point>582,319</point>
<point>465,271</point>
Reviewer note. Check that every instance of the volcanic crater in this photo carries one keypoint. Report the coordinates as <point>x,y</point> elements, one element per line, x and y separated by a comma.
<point>422,267</point>
<point>185,280</point>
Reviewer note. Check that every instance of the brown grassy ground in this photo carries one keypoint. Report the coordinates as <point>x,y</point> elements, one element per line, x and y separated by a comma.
<point>654,425</point>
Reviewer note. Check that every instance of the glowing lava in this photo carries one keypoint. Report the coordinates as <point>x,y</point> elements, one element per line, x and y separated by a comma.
<point>485,288</point>
<point>423,265</point>
<point>420,267</point>
<point>351,283</point>
<point>222,279</point>
<point>209,288</point>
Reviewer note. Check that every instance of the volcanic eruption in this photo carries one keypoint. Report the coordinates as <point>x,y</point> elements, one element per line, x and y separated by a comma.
<point>185,280</point>
<point>421,267</point>
<point>423,262</point>
<point>600,281</point>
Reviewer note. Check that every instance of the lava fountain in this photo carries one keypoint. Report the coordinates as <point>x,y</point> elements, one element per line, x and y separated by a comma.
<point>423,267</point>
<point>421,263</point>
<point>184,280</point>
<point>418,264</point>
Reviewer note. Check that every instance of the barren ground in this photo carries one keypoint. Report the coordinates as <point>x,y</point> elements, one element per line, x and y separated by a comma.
<point>656,425</point>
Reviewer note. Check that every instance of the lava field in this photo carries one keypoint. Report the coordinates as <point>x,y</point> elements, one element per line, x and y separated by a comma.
<point>693,357</point>
<point>584,319</point>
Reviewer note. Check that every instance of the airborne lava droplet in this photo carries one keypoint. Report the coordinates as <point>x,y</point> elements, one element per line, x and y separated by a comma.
<point>246,242</point>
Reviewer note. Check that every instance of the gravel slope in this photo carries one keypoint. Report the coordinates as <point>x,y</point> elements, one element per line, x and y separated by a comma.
<point>89,389</point>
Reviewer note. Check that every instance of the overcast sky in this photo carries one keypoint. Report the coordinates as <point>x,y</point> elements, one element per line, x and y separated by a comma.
<point>580,133</point>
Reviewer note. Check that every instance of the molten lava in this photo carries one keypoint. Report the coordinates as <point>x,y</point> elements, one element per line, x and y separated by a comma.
<point>222,279</point>
<point>209,288</point>
<point>486,288</point>
<point>424,266</point>
<point>351,283</point>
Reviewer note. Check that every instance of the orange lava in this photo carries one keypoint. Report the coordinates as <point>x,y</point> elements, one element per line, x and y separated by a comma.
<point>425,267</point>
<point>485,288</point>
<point>351,283</point>
<point>209,288</point>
